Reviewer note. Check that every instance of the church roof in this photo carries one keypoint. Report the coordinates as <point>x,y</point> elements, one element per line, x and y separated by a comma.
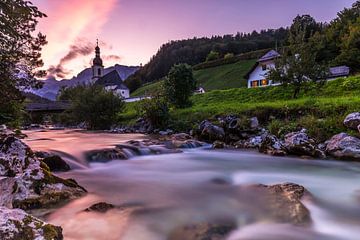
<point>269,56</point>
<point>112,79</point>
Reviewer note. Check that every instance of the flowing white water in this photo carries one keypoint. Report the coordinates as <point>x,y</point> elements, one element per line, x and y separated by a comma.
<point>166,191</point>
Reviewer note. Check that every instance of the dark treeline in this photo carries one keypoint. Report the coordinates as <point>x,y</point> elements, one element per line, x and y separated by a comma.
<point>194,51</point>
<point>337,43</point>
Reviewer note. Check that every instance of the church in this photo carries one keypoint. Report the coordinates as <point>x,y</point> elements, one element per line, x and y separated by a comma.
<point>110,81</point>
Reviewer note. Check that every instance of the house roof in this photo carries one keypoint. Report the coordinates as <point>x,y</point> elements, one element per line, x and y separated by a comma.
<point>339,71</point>
<point>272,54</point>
<point>112,79</point>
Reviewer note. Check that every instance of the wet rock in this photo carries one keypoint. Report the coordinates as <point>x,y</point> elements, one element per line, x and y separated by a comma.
<point>3,128</point>
<point>218,145</point>
<point>272,145</point>
<point>56,164</point>
<point>26,182</point>
<point>352,120</point>
<point>202,231</point>
<point>106,155</point>
<point>344,146</point>
<point>283,202</point>
<point>181,137</point>
<point>101,207</point>
<point>211,132</point>
<point>15,224</point>
<point>359,128</point>
<point>166,132</point>
<point>252,142</point>
<point>299,143</point>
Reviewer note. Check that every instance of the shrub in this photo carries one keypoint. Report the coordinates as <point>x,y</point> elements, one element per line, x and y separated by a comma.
<point>228,56</point>
<point>213,55</point>
<point>155,110</point>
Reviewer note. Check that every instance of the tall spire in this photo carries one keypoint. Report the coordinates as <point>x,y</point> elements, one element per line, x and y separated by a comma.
<point>97,60</point>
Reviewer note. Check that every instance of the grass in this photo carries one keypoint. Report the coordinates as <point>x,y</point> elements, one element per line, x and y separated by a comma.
<point>321,110</point>
<point>216,78</point>
<point>224,77</point>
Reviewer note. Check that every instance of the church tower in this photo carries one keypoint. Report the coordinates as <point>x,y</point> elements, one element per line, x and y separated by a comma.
<point>97,67</point>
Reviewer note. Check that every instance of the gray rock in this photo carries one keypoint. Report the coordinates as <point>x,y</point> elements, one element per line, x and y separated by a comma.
<point>254,123</point>
<point>218,145</point>
<point>211,132</point>
<point>352,120</point>
<point>344,146</point>
<point>273,146</point>
<point>15,224</point>
<point>299,143</point>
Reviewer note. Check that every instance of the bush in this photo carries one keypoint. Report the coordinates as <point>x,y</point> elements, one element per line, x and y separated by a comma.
<point>92,105</point>
<point>228,56</point>
<point>155,110</point>
<point>213,55</point>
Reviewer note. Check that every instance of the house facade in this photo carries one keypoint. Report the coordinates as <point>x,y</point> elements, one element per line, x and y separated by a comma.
<point>111,81</point>
<point>257,76</point>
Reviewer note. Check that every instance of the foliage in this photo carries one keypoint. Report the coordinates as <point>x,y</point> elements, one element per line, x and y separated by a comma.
<point>298,65</point>
<point>194,51</point>
<point>92,105</point>
<point>20,54</point>
<point>213,55</point>
<point>179,85</point>
<point>155,110</point>
<point>229,56</point>
<point>149,89</point>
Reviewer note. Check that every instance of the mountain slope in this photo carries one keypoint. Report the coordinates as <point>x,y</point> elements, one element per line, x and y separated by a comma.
<point>52,86</point>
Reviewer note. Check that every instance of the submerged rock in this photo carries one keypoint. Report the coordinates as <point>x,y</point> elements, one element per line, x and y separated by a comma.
<point>202,231</point>
<point>344,146</point>
<point>56,163</point>
<point>272,145</point>
<point>15,224</point>
<point>352,120</point>
<point>26,182</point>
<point>101,207</point>
<point>299,143</point>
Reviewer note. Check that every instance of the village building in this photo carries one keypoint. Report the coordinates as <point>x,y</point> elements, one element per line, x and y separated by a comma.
<point>110,81</point>
<point>258,74</point>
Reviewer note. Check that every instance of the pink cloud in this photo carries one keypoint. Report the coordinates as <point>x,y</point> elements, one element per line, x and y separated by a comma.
<point>69,20</point>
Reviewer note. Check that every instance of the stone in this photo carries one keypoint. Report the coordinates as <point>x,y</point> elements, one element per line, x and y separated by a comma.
<point>359,128</point>
<point>202,231</point>
<point>272,145</point>
<point>299,143</point>
<point>211,132</point>
<point>344,146</point>
<point>26,182</point>
<point>56,164</point>
<point>15,224</point>
<point>218,145</point>
<point>254,123</point>
<point>181,137</point>
<point>105,155</point>
<point>101,207</point>
<point>352,120</point>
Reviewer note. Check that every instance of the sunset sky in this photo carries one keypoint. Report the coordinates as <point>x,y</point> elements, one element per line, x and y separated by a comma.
<point>131,31</point>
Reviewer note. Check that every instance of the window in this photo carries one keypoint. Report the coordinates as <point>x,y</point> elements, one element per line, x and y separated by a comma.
<point>99,71</point>
<point>264,82</point>
<point>254,83</point>
<point>264,67</point>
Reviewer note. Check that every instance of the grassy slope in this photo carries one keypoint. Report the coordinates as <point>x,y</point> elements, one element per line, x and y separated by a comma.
<point>225,76</point>
<point>320,110</point>
<point>221,77</point>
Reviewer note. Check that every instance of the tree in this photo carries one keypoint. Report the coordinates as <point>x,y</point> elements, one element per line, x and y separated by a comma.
<point>213,55</point>
<point>229,56</point>
<point>93,105</point>
<point>179,85</point>
<point>298,66</point>
<point>20,54</point>
<point>155,110</point>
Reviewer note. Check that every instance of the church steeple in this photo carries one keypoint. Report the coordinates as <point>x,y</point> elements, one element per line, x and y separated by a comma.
<point>97,68</point>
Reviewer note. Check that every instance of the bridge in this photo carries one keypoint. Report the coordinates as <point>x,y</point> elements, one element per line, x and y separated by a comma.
<point>48,107</point>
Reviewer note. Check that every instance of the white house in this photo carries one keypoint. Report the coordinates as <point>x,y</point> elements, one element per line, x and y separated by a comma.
<point>257,76</point>
<point>111,81</point>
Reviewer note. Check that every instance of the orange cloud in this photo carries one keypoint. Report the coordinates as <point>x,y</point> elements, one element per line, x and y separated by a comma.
<point>69,20</point>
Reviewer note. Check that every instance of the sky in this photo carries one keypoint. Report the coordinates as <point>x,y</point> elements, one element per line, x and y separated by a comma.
<point>131,31</point>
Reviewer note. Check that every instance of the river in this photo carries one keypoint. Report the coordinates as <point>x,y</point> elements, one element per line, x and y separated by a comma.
<point>177,189</point>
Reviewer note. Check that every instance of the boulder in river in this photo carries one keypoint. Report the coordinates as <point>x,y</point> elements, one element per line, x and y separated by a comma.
<point>26,182</point>
<point>15,224</point>
<point>299,143</point>
<point>211,132</point>
<point>272,145</point>
<point>101,207</point>
<point>218,145</point>
<point>54,162</point>
<point>344,146</point>
<point>352,120</point>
